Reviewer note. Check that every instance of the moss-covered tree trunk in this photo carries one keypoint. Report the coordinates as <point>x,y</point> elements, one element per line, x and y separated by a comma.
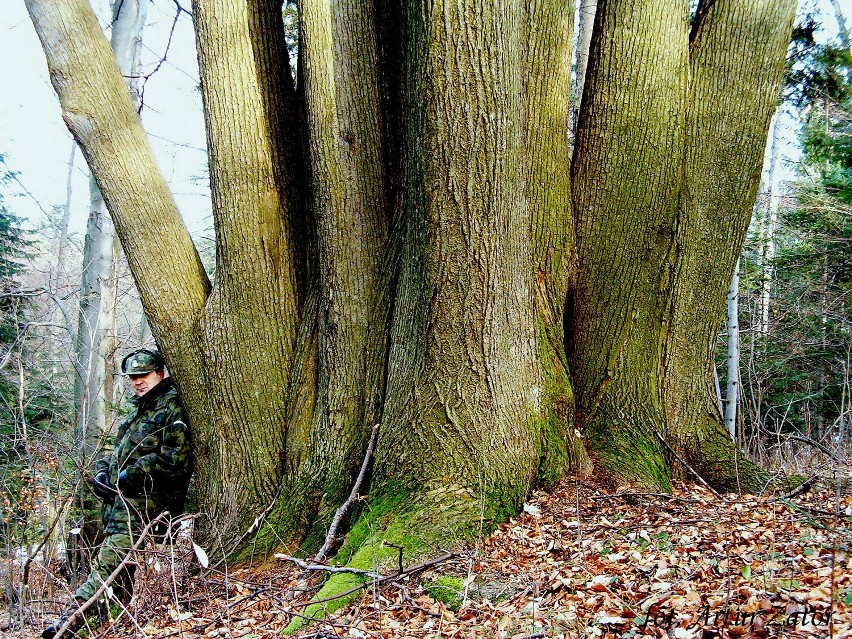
<point>733,95</point>
<point>665,173</point>
<point>464,387</point>
<point>626,177</point>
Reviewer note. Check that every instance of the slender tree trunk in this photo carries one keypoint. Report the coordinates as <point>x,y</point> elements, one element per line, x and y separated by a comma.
<point>66,216</point>
<point>336,398</point>
<point>769,225</point>
<point>842,30</point>
<point>732,394</point>
<point>547,73</point>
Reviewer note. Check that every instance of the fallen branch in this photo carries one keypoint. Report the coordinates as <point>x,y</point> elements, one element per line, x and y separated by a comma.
<point>687,466</point>
<point>338,515</point>
<point>326,568</point>
<point>384,578</point>
<point>629,495</point>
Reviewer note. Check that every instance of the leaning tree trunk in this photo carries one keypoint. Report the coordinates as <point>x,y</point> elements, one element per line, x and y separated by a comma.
<point>94,345</point>
<point>729,115</point>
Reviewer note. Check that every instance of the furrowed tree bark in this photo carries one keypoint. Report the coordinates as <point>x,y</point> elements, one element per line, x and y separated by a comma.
<point>737,54</point>
<point>248,330</point>
<point>418,273</point>
<point>326,439</point>
<point>547,76</point>
<point>626,176</point>
<point>464,389</point>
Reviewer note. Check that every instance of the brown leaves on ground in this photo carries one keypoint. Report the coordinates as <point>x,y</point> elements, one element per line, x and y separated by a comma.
<point>577,563</point>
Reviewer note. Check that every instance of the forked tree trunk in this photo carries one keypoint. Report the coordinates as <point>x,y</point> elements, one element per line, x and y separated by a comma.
<point>659,238</point>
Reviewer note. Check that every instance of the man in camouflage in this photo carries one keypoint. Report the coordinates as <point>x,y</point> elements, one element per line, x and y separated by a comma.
<point>146,474</point>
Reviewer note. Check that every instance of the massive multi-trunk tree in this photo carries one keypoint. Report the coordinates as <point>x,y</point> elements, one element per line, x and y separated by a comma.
<point>403,239</point>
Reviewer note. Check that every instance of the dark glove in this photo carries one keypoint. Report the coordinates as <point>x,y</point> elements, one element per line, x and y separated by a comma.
<point>101,486</point>
<point>130,481</point>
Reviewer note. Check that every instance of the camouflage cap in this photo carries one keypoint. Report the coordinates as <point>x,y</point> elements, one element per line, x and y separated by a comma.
<point>142,362</point>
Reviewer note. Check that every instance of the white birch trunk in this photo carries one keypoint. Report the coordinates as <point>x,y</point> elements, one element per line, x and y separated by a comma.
<point>96,332</point>
<point>733,387</point>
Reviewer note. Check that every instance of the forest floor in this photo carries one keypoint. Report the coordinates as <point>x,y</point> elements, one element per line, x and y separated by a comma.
<point>580,561</point>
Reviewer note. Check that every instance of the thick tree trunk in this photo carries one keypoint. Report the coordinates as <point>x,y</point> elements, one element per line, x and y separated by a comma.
<point>464,385</point>
<point>335,407</point>
<point>547,77</point>
<point>734,89</point>
<point>654,235</point>
<point>248,331</point>
<point>425,287</point>
<point>626,176</point>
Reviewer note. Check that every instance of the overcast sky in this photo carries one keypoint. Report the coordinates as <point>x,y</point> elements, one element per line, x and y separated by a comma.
<point>36,144</point>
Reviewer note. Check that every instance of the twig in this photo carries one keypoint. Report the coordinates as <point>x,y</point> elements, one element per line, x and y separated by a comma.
<point>353,495</point>
<point>26,576</point>
<point>660,495</point>
<point>254,527</point>
<point>807,440</point>
<point>687,466</point>
<point>399,556</point>
<point>325,568</point>
<point>802,488</point>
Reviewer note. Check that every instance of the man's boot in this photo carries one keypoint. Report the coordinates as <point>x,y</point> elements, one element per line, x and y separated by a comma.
<point>52,629</point>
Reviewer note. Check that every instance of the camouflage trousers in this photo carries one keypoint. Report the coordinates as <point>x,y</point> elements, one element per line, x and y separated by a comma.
<point>112,552</point>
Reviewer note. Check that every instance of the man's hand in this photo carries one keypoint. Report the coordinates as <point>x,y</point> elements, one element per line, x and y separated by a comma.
<point>101,486</point>
<point>130,481</point>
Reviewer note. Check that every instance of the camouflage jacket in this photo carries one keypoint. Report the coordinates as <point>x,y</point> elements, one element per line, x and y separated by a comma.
<point>153,446</point>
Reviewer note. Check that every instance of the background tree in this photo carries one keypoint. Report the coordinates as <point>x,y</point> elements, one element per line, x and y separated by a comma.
<point>399,241</point>
<point>793,382</point>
